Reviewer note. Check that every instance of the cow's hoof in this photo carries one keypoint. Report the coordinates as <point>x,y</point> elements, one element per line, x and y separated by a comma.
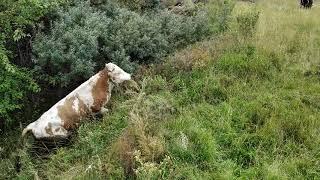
<point>104,111</point>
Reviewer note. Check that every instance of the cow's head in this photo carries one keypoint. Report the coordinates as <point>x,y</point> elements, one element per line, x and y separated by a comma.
<point>117,75</point>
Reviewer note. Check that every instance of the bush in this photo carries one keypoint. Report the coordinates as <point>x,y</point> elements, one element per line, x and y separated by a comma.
<point>132,38</point>
<point>140,5</point>
<point>68,53</point>
<point>17,21</point>
<point>15,84</point>
<point>84,38</point>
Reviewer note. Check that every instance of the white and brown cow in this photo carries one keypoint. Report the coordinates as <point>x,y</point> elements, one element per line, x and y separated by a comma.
<point>90,97</point>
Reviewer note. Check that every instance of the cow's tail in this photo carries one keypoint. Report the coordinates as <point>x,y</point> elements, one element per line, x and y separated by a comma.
<point>26,130</point>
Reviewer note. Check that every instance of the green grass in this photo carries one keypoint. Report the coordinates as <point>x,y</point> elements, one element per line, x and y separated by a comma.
<point>240,108</point>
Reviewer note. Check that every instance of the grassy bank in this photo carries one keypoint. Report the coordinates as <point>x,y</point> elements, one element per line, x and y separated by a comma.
<point>242,105</point>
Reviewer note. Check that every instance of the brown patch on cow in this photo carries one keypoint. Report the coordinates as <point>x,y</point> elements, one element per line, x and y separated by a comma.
<point>69,116</point>
<point>100,91</point>
<point>49,129</point>
<point>83,108</point>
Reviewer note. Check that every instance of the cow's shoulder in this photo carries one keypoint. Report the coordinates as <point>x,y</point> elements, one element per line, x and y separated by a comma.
<point>100,91</point>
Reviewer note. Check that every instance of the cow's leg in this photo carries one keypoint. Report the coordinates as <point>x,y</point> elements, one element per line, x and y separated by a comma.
<point>310,2</point>
<point>303,3</point>
<point>104,110</point>
<point>100,113</point>
<point>61,132</point>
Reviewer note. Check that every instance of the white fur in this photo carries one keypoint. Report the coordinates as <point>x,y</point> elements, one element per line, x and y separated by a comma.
<point>103,110</point>
<point>75,105</point>
<point>117,74</point>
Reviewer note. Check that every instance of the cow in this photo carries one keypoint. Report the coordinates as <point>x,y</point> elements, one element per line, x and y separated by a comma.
<point>306,3</point>
<point>89,98</point>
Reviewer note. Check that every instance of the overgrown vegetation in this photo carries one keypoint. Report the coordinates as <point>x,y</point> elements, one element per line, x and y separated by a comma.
<point>59,44</point>
<point>16,20</point>
<point>242,104</point>
<point>11,92</point>
<point>83,38</point>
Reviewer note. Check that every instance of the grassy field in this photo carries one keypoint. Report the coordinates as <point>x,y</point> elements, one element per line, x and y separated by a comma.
<point>244,105</point>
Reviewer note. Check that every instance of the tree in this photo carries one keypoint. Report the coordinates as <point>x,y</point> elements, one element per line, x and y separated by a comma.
<point>15,83</point>
<point>17,20</point>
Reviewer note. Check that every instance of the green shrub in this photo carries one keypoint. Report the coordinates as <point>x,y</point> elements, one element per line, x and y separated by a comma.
<point>84,37</point>
<point>15,84</point>
<point>67,54</point>
<point>140,5</point>
<point>17,20</point>
<point>132,38</point>
<point>149,37</point>
<point>16,16</point>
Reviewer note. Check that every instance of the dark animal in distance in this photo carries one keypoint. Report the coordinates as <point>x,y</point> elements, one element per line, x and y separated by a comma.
<point>306,3</point>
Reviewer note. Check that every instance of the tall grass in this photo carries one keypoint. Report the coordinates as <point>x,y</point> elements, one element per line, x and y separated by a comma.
<point>291,31</point>
<point>238,106</point>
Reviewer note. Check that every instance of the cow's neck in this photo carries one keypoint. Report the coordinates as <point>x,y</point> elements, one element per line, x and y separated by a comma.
<point>110,87</point>
<point>110,83</point>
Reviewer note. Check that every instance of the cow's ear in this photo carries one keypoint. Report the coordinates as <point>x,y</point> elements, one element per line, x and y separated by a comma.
<point>110,67</point>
